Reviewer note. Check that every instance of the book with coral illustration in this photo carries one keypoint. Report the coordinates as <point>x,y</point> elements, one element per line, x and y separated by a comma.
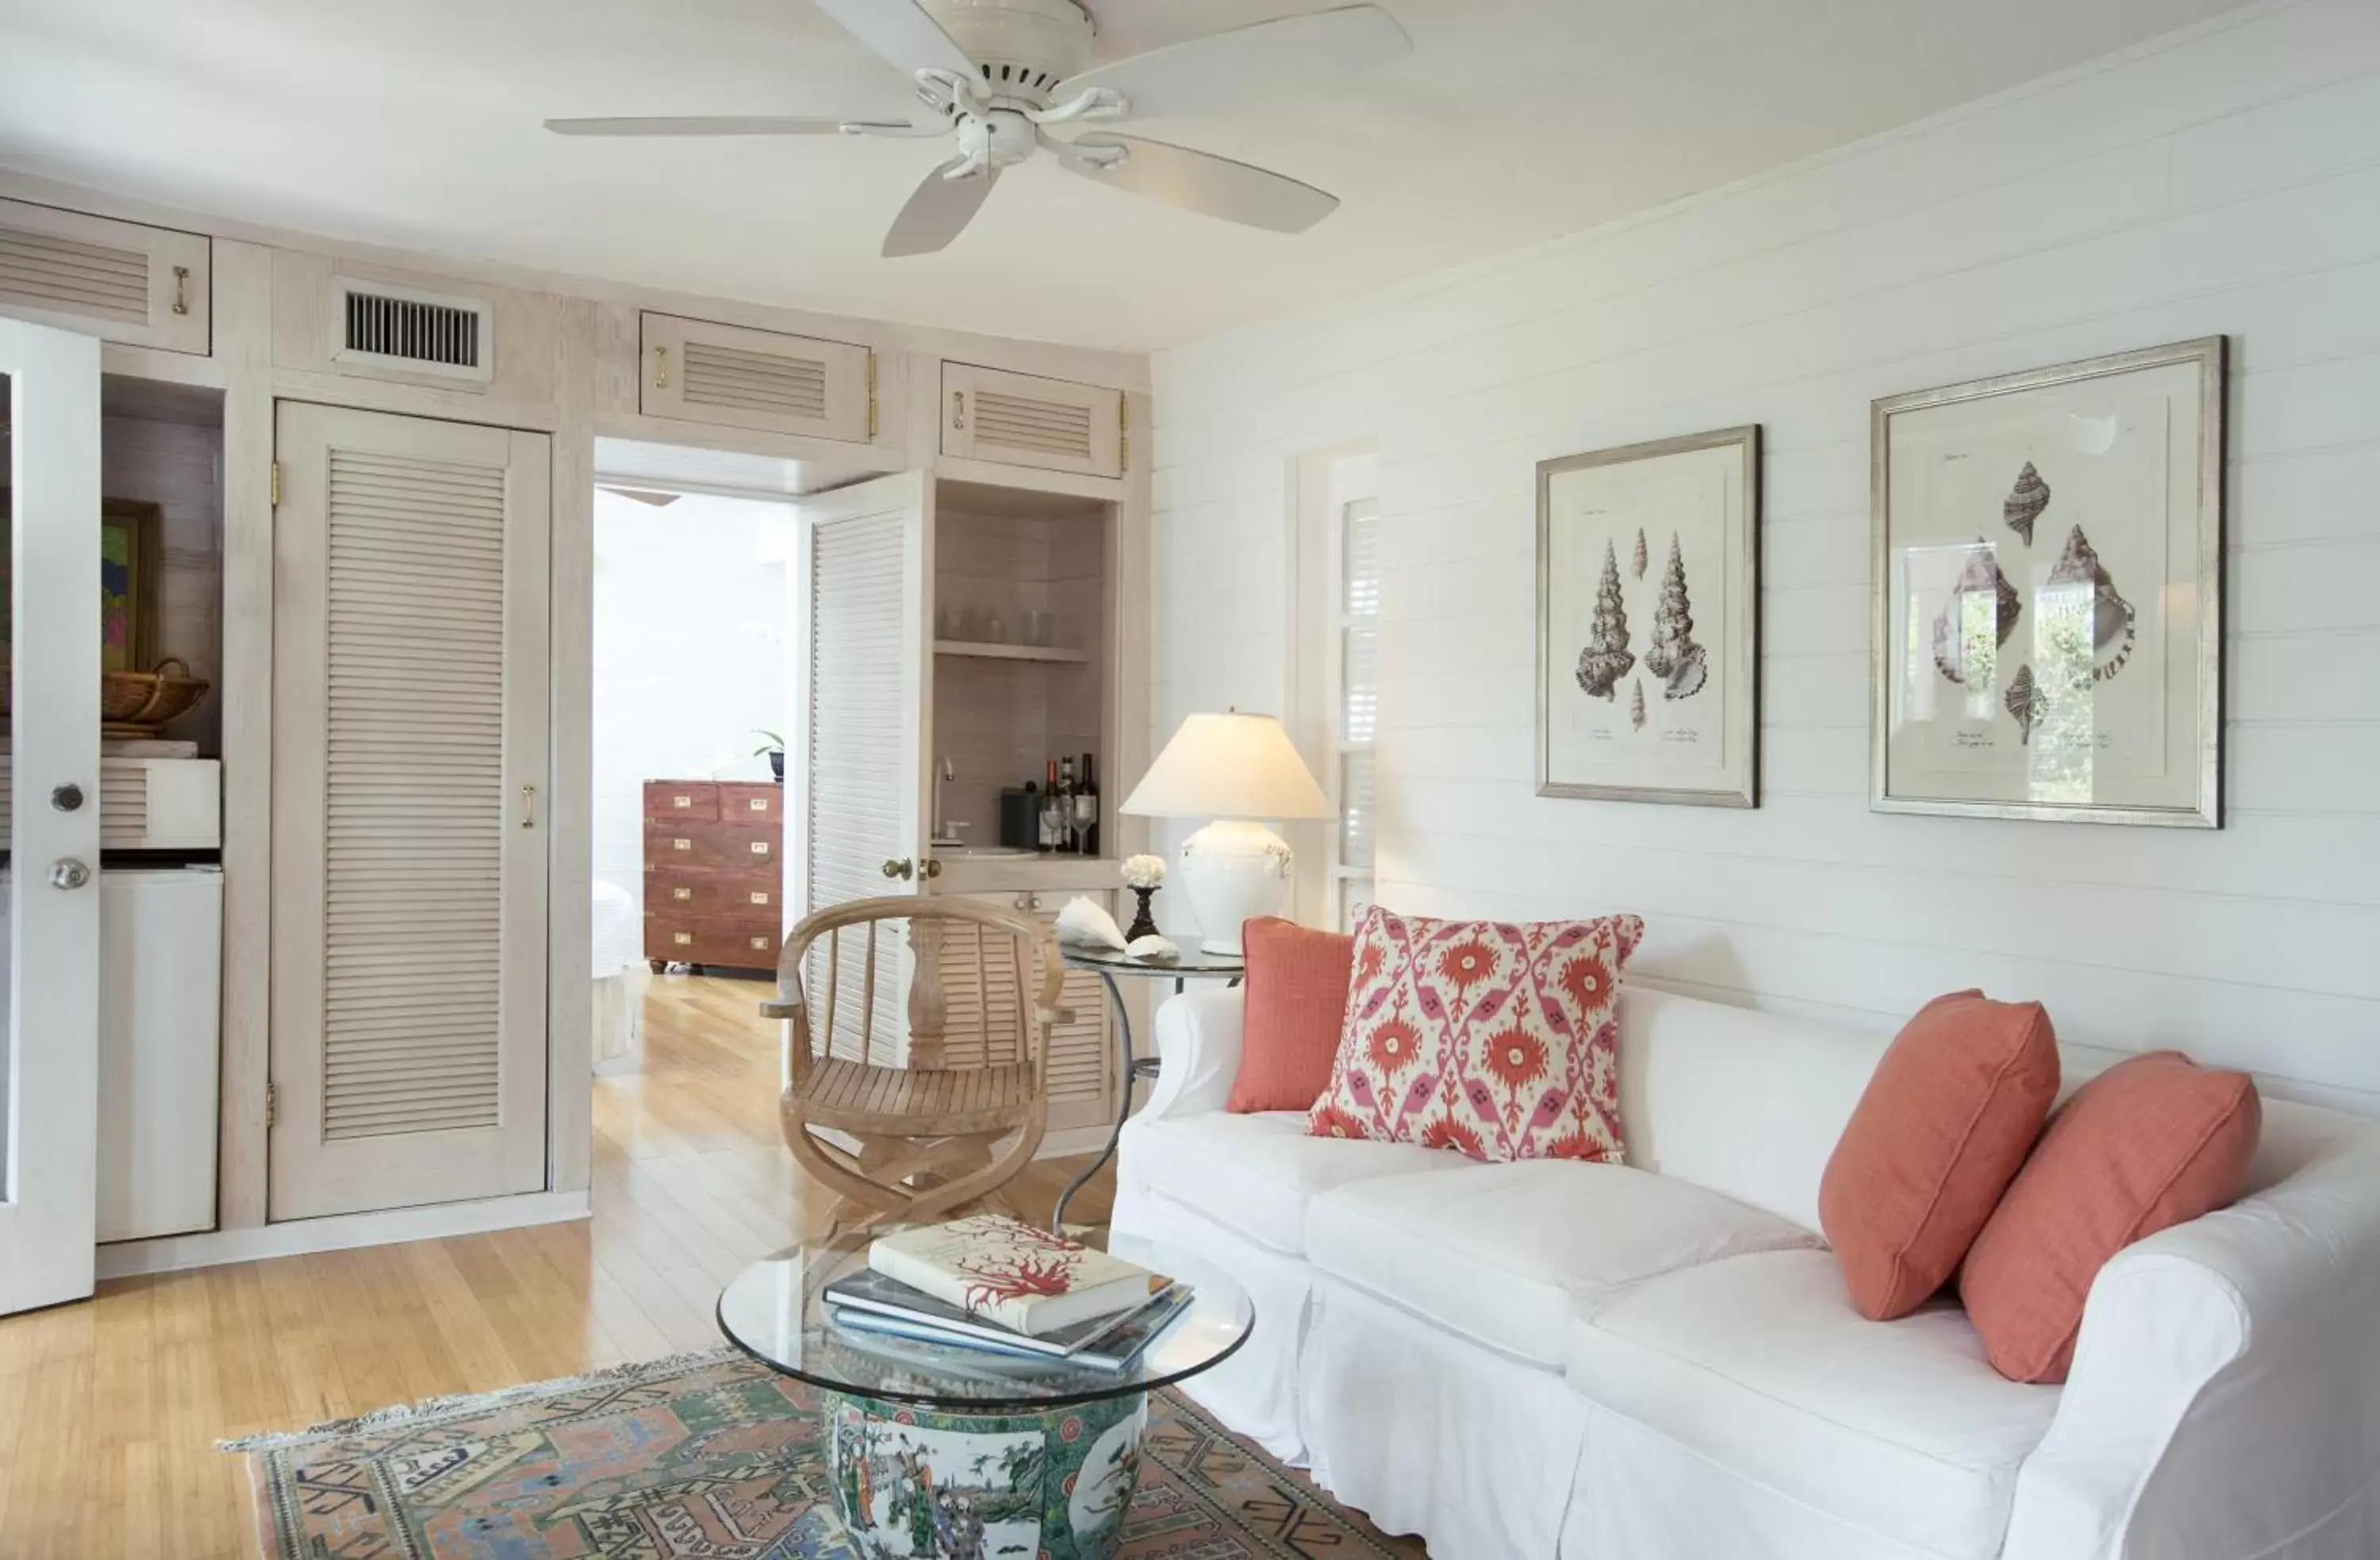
<point>1009,1271</point>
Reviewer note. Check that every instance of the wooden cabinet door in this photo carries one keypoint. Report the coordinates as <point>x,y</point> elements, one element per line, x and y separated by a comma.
<point>862,687</point>
<point>698,372</point>
<point>978,990</point>
<point>49,953</point>
<point>119,281</point>
<point>1018,420</point>
<point>408,809</point>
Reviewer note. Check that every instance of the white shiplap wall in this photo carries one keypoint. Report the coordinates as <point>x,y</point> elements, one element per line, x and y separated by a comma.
<point>2225,179</point>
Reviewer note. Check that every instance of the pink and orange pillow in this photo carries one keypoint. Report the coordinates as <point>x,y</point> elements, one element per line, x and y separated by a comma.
<point>1498,1040</point>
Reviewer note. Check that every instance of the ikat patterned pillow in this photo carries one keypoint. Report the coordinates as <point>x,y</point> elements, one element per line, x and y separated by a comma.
<point>1497,1040</point>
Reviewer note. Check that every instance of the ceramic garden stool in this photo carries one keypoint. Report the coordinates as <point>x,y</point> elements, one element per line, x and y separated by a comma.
<point>953,1453</point>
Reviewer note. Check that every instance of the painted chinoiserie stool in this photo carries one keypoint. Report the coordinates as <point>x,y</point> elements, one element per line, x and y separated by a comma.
<point>936,1450</point>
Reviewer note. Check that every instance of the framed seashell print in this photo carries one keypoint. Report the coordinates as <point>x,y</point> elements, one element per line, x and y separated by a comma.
<point>1648,614</point>
<point>2047,589</point>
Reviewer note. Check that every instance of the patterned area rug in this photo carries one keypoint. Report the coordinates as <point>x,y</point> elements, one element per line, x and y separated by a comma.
<point>711,1456</point>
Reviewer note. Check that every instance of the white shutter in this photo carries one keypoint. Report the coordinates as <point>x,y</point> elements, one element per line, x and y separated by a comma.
<point>409,756</point>
<point>1019,419</point>
<point>119,281</point>
<point>865,693</point>
<point>698,372</point>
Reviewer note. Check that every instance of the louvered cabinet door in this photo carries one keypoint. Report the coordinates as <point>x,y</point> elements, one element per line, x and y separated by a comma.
<point>698,372</point>
<point>119,281</point>
<point>861,580</point>
<point>1018,420</point>
<point>408,799</point>
<point>1081,1065</point>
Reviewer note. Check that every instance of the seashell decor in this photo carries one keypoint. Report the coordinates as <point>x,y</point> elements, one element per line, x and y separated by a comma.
<point>2111,616</point>
<point>2025,502</point>
<point>1957,654</point>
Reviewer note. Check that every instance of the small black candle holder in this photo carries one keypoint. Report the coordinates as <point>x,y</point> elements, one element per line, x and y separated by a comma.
<point>1143,923</point>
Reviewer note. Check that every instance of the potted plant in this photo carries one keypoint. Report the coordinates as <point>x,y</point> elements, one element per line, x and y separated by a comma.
<point>776,747</point>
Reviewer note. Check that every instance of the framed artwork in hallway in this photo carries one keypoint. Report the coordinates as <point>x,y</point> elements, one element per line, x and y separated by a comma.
<point>1648,622</point>
<point>2047,591</point>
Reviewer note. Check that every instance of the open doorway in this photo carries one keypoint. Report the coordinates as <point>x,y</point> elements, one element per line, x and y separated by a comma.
<point>691,638</point>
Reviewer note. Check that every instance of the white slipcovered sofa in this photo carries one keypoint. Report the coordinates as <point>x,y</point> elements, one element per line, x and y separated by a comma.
<point>1659,1362</point>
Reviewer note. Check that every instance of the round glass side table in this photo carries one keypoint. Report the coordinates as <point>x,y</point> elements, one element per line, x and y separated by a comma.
<point>1194,964</point>
<point>948,1450</point>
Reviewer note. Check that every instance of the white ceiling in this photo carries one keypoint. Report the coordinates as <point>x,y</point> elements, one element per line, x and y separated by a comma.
<point>416,126</point>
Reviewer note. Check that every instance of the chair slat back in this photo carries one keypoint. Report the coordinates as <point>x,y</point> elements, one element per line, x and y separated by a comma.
<point>982,984</point>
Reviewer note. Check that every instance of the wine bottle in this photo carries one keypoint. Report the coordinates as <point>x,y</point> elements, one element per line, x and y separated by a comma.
<point>1049,815</point>
<point>1086,808</point>
<point>1070,838</point>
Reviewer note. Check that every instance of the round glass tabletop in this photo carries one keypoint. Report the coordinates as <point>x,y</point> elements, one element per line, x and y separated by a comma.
<point>1194,961</point>
<point>775,1312</point>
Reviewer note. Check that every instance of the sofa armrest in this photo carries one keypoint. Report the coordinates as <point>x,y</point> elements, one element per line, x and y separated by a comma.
<point>2224,1397</point>
<point>1197,1053</point>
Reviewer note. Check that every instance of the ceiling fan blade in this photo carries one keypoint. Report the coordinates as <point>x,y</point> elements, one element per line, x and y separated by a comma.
<point>1200,181</point>
<point>901,33</point>
<point>939,210</point>
<point>709,124</point>
<point>1270,56</point>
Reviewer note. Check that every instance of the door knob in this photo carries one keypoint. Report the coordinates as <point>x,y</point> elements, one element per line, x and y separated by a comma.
<point>67,797</point>
<point>930,867</point>
<point>897,868</point>
<point>69,873</point>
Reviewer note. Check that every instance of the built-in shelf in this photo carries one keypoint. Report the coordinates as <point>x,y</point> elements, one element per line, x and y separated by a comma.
<point>1010,652</point>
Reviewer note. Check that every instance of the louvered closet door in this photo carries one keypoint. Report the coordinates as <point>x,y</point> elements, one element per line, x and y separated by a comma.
<point>119,281</point>
<point>700,372</point>
<point>1020,419</point>
<point>408,794</point>
<point>862,586</point>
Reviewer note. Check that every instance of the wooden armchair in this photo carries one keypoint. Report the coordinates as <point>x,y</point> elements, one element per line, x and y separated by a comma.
<point>928,1125</point>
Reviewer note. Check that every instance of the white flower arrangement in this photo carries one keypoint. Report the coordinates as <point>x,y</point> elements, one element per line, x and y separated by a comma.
<point>1144,872</point>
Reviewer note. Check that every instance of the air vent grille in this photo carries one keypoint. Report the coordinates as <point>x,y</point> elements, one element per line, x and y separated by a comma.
<point>97,281</point>
<point>1022,422</point>
<point>727,376</point>
<point>392,327</point>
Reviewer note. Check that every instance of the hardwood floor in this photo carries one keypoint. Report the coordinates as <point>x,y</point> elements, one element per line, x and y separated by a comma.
<point>110,1410</point>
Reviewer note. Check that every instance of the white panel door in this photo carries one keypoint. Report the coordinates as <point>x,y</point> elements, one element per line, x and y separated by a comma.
<point>408,797</point>
<point>49,1084</point>
<point>862,696</point>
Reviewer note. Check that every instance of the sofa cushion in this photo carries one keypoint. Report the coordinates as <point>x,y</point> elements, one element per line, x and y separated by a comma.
<point>1760,1364</point>
<point>1296,1006</point>
<point>2150,1143</point>
<point>1744,1102</point>
<point>1508,1254</point>
<point>1255,1174</point>
<point>1943,1127</point>
<point>1497,1039</point>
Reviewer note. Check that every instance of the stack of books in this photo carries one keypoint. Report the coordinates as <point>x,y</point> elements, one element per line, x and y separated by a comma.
<point>1000,1287</point>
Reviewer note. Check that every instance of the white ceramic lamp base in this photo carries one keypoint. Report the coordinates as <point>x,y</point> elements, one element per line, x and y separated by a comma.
<point>1231,873</point>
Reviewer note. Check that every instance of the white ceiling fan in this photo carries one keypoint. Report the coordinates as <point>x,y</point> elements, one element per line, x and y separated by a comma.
<point>1000,75</point>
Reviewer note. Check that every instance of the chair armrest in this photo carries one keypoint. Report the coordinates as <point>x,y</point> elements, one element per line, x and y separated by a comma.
<point>1197,1052</point>
<point>2225,1391</point>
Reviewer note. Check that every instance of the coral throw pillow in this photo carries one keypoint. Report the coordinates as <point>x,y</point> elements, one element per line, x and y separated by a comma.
<point>1296,1006</point>
<point>1501,1040</point>
<point>1944,1126</point>
<point>2151,1142</point>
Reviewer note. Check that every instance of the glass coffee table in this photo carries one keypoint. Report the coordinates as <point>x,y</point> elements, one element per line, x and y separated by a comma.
<point>937,1450</point>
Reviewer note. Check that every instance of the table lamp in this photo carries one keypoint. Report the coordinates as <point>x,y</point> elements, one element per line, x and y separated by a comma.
<point>1235,769</point>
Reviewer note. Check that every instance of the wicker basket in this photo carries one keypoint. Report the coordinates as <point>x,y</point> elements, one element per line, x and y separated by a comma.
<point>140,703</point>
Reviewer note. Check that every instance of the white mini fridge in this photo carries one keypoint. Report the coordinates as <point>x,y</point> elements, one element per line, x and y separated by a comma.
<point>160,1047</point>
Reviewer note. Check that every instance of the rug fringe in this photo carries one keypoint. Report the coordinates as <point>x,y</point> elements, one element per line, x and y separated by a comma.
<point>428,1411</point>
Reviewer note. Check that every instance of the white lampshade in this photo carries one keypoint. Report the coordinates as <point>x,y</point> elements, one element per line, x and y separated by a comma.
<point>1229,766</point>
